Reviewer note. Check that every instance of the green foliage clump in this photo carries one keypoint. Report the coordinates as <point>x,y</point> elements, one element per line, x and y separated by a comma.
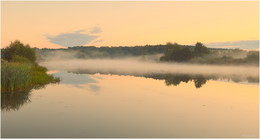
<point>202,55</point>
<point>19,71</point>
<point>20,59</point>
<point>200,49</point>
<point>252,56</point>
<point>20,76</point>
<point>39,76</point>
<point>175,52</point>
<point>17,48</point>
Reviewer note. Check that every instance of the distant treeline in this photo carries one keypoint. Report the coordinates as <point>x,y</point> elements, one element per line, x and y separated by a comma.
<point>170,52</point>
<point>203,55</point>
<point>102,52</point>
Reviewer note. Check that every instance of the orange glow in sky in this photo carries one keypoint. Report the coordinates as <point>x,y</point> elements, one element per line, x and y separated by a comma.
<point>129,23</point>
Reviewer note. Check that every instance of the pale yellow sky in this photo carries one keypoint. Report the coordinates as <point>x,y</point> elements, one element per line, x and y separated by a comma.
<point>129,23</point>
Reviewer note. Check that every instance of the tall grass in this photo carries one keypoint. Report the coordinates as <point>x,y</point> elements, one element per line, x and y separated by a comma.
<point>21,76</point>
<point>39,76</point>
<point>15,76</point>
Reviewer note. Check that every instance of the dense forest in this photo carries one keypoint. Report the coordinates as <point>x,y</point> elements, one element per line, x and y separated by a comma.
<point>170,52</point>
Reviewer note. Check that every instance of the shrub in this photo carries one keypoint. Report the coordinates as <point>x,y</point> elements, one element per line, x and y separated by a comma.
<point>20,59</point>
<point>17,48</point>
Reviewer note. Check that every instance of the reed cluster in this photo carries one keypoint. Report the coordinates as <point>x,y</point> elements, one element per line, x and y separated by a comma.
<point>20,76</point>
<point>15,76</point>
<point>19,69</point>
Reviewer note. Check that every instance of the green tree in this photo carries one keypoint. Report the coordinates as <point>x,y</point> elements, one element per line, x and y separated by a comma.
<point>252,56</point>
<point>200,49</point>
<point>175,52</point>
<point>17,48</point>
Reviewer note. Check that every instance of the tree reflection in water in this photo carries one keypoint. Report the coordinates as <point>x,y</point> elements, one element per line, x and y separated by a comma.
<point>176,79</point>
<point>15,100</point>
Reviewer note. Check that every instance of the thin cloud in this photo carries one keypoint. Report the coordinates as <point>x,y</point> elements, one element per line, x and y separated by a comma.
<point>243,44</point>
<point>97,41</point>
<point>76,38</point>
<point>96,30</point>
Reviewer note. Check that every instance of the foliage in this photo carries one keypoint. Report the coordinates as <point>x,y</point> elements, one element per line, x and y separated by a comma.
<point>202,55</point>
<point>82,52</point>
<point>169,52</point>
<point>200,49</point>
<point>15,76</point>
<point>19,76</point>
<point>252,56</point>
<point>19,71</point>
<point>20,59</point>
<point>39,76</point>
<point>175,52</point>
<point>17,48</point>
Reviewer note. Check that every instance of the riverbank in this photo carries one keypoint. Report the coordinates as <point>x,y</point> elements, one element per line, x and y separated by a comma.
<point>20,76</point>
<point>20,71</point>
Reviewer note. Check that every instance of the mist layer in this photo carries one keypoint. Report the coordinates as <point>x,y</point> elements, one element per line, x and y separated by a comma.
<point>140,67</point>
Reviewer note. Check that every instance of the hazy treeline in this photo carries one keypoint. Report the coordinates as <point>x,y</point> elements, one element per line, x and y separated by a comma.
<point>170,52</point>
<point>81,52</point>
<point>202,55</point>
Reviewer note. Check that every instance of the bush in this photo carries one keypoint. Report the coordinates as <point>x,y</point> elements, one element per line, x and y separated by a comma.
<point>252,56</point>
<point>175,52</point>
<point>17,48</point>
<point>20,59</point>
<point>40,77</point>
<point>19,71</point>
<point>200,49</point>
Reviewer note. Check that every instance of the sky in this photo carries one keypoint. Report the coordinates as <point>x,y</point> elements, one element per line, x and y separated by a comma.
<point>60,24</point>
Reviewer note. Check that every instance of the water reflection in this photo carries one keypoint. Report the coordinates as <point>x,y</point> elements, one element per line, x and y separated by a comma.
<point>15,100</point>
<point>79,79</point>
<point>74,79</point>
<point>132,107</point>
<point>176,79</point>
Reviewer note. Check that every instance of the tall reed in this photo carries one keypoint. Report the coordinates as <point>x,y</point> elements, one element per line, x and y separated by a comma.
<point>15,76</point>
<point>21,76</point>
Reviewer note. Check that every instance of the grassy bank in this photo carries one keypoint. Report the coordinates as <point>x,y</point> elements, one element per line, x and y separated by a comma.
<point>19,71</point>
<point>20,76</point>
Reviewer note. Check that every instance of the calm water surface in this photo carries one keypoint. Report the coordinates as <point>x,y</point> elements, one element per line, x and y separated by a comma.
<point>104,105</point>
